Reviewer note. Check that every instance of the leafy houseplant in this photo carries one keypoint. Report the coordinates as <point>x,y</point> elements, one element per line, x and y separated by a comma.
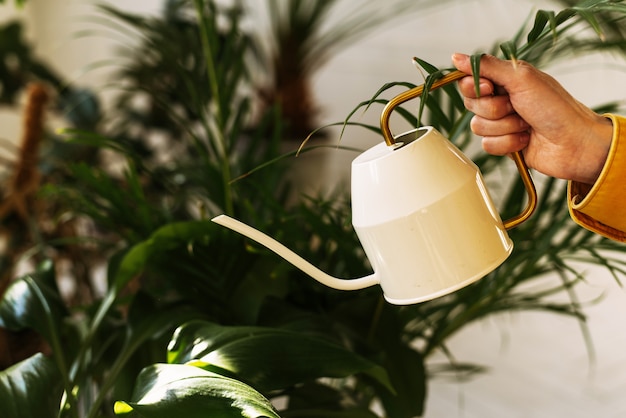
<point>196,321</point>
<point>301,41</point>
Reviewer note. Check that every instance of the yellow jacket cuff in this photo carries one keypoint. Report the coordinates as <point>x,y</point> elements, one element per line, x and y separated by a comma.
<point>601,207</point>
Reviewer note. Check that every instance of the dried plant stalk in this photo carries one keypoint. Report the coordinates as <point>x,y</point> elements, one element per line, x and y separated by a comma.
<point>25,180</point>
<point>19,200</point>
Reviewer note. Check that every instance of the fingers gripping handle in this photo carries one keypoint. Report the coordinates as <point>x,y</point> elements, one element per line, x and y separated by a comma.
<point>518,158</point>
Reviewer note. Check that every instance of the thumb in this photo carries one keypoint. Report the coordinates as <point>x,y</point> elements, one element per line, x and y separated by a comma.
<point>462,62</point>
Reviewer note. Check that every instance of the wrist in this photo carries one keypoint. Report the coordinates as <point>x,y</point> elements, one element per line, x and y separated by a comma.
<point>596,150</point>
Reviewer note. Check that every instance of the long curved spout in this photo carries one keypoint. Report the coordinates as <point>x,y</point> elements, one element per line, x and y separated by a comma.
<point>295,259</point>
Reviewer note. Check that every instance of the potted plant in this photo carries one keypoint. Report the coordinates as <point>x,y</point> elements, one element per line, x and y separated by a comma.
<point>301,40</point>
<point>198,321</point>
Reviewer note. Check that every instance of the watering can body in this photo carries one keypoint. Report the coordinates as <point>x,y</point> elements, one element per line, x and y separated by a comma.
<point>425,218</point>
<point>422,213</point>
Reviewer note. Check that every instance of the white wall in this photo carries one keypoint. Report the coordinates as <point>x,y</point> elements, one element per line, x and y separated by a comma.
<point>540,363</point>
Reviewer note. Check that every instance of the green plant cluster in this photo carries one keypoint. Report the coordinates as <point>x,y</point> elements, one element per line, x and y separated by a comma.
<point>197,321</point>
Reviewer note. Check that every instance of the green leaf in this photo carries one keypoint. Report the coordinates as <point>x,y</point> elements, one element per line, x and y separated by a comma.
<point>317,400</point>
<point>475,63</point>
<point>170,236</point>
<point>509,49</point>
<point>30,389</point>
<point>364,105</point>
<point>433,75</point>
<point>267,358</point>
<point>326,413</point>
<point>593,22</point>
<point>33,302</point>
<point>406,369</point>
<point>18,3</point>
<point>403,362</point>
<point>133,262</point>
<point>541,19</point>
<point>173,390</point>
<point>145,322</point>
<point>564,16</point>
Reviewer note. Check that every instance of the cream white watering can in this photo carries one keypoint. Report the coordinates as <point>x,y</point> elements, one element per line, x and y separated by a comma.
<point>422,213</point>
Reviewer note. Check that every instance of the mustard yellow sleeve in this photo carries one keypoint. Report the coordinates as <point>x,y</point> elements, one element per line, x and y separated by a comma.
<point>601,207</point>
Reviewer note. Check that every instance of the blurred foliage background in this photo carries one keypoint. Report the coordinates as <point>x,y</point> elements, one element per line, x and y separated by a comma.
<point>193,317</point>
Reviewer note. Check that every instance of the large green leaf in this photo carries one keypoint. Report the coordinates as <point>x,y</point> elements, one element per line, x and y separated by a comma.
<point>145,322</point>
<point>406,369</point>
<point>387,335</point>
<point>134,260</point>
<point>33,302</point>
<point>268,358</point>
<point>327,413</point>
<point>30,389</point>
<point>174,390</point>
<point>167,237</point>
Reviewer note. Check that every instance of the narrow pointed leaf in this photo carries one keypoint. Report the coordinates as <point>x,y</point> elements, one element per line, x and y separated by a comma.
<point>593,22</point>
<point>430,80</point>
<point>564,15</point>
<point>475,63</point>
<point>541,20</point>
<point>509,49</point>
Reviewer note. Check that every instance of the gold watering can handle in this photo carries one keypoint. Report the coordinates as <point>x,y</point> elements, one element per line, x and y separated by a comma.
<point>517,156</point>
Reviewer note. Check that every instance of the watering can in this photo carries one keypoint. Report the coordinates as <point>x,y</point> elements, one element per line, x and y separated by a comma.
<point>422,213</point>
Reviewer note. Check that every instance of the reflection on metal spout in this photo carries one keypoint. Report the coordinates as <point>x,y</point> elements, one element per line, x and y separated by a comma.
<point>295,259</point>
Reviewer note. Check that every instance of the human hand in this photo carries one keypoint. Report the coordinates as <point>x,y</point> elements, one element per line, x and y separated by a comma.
<point>523,109</point>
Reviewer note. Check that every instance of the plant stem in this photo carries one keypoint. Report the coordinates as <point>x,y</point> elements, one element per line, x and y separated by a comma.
<point>57,350</point>
<point>110,379</point>
<point>220,123</point>
<point>371,335</point>
<point>77,366</point>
